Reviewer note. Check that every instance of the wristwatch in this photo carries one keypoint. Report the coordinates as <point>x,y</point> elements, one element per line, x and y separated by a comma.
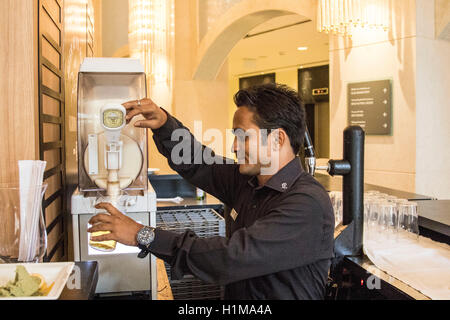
<point>144,238</point>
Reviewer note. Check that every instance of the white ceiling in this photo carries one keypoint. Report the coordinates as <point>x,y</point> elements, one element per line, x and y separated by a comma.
<point>278,49</point>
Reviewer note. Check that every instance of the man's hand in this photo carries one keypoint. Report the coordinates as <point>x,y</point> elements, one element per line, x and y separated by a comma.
<point>122,228</point>
<point>154,116</point>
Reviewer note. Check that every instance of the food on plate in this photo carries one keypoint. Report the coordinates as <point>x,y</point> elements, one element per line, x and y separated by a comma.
<point>44,288</point>
<point>25,285</point>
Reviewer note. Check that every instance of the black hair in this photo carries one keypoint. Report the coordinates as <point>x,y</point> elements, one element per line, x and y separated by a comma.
<point>275,106</point>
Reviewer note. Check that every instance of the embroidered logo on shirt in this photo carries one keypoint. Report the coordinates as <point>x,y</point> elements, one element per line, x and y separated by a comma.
<point>284,186</point>
<point>233,214</point>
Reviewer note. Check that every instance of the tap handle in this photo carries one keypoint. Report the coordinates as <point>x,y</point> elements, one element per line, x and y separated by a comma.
<point>309,148</point>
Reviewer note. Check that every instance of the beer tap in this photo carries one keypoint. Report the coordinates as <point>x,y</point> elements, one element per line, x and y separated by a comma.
<point>310,156</point>
<point>351,167</point>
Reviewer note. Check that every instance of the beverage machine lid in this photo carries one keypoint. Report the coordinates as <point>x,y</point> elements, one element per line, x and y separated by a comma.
<point>112,65</point>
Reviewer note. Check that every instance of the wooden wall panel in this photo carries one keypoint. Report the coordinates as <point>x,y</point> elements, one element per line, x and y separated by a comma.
<point>19,132</point>
<point>53,9</point>
<point>51,53</point>
<point>18,86</point>
<point>35,71</point>
<point>51,106</point>
<point>50,79</point>
<point>58,255</point>
<point>54,184</point>
<point>51,133</point>
<point>49,27</point>
<point>51,123</point>
<point>53,158</point>
<point>52,212</point>
<point>56,235</point>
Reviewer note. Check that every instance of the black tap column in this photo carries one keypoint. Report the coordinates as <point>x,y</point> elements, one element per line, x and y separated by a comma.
<point>353,185</point>
<point>349,243</point>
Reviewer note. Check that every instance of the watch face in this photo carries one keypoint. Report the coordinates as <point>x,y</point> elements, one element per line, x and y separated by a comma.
<point>113,118</point>
<point>145,236</point>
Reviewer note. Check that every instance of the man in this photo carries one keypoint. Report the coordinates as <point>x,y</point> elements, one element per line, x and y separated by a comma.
<point>282,221</point>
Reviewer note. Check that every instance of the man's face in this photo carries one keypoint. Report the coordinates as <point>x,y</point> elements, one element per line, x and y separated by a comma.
<point>251,153</point>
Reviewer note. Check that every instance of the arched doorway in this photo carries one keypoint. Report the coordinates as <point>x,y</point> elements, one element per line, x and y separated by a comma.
<point>245,20</point>
<point>236,23</point>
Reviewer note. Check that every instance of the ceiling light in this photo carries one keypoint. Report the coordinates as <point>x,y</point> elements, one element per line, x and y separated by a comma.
<point>344,17</point>
<point>151,39</point>
<point>302,48</point>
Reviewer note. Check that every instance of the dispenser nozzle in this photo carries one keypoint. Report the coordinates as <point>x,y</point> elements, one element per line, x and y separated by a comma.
<point>113,119</point>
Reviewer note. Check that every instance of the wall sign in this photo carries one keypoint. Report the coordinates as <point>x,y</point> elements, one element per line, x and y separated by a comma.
<point>369,106</point>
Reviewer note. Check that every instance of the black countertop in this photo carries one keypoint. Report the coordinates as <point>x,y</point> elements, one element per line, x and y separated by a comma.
<point>82,282</point>
<point>435,215</point>
<point>190,203</point>
<point>335,184</point>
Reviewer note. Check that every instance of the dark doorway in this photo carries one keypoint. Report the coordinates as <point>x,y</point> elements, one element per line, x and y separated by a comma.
<point>247,82</point>
<point>313,89</point>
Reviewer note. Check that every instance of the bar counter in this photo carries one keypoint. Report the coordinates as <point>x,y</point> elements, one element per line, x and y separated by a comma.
<point>434,215</point>
<point>83,288</point>
<point>434,222</point>
<point>335,184</point>
<point>362,269</point>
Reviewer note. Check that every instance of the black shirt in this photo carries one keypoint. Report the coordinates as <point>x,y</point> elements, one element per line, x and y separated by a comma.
<point>281,241</point>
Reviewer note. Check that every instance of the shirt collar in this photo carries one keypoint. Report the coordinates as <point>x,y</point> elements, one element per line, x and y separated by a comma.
<point>284,178</point>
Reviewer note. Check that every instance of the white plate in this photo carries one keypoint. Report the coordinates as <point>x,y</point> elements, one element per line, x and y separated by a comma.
<point>57,272</point>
